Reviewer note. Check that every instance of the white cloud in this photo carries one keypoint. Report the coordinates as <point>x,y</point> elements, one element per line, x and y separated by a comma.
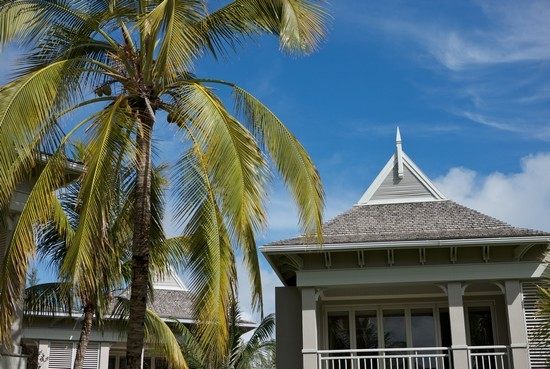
<point>466,50</point>
<point>525,128</point>
<point>512,32</point>
<point>521,199</point>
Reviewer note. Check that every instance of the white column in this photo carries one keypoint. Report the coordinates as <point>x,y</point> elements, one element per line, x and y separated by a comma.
<point>309,328</point>
<point>516,324</point>
<point>104,348</point>
<point>458,325</point>
<point>43,354</point>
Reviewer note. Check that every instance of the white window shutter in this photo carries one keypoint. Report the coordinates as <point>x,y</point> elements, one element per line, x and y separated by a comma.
<point>539,355</point>
<point>61,355</point>
<point>91,358</point>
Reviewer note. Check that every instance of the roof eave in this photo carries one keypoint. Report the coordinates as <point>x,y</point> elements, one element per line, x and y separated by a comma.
<point>296,248</point>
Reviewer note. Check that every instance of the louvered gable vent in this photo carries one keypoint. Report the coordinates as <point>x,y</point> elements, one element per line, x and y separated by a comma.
<point>400,181</point>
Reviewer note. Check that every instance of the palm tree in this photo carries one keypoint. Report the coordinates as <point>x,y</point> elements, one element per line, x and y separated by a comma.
<point>67,296</point>
<point>127,61</point>
<point>55,298</point>
<point>256,352</point>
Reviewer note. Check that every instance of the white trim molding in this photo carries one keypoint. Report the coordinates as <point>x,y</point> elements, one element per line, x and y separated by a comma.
<point>299,248</point>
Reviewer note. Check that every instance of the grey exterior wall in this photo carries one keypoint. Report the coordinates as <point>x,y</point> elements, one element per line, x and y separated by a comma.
<point>288,307</point>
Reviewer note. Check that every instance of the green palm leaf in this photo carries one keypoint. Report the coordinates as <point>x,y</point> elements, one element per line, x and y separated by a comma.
<point>111,131</point>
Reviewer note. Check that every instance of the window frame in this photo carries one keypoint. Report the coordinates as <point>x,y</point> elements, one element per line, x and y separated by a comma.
<point>436,307</point>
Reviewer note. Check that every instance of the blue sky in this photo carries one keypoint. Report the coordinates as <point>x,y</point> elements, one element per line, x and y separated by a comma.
<point>468,82</point>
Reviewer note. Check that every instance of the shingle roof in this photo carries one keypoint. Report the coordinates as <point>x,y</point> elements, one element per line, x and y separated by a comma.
<point>173,304</point>
<point>430,220</point>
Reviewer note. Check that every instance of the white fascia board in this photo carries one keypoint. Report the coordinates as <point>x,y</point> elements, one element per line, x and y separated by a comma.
<point>424,274</point>
<point>402,200</point>
<point>278,249</point>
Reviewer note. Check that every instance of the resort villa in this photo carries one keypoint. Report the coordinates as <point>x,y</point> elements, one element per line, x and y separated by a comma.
<point>404,279</point>
<point>410,279</point>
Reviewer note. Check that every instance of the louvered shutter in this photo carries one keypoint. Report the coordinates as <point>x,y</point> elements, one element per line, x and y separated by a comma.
<point>539,355</point>
<point>91,358</point>
<point>61,355</point>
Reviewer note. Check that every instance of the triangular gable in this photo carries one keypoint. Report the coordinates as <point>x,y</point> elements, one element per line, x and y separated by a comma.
<point>390,186</point>
<point>169,281</point>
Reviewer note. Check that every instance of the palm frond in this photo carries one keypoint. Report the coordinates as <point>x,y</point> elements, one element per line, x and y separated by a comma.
<point>40,207</point>
<point>172,23</point>
<point>90,254</point>
<point>291,159</point>
<point>211,263</point>
<point>236,166</point>
<point>300,24</point>
<point>26,115</point>
<point>50,299</point>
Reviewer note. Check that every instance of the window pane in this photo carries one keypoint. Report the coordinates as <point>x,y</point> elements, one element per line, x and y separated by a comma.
<point>395,334</point>
<point>481,326</point>
<point>122,362</point>
<point>445,323</point>
<point>112,362</point>
<point>423,328</point>
<point>366,329</point>
<point>338,331</point>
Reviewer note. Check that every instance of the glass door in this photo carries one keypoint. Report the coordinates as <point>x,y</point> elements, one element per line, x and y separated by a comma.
<point>480,323</point>
<point>339,338</point>
<point>366,338</point>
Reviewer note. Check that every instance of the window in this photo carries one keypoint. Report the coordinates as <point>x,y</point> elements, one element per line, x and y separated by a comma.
<point>395,333</point>
<point>481,326</point>
<point>423,328</point>
<point>366,329</point>
<point>338,331</point>
<point>112,362</point>
<point>391,326</point>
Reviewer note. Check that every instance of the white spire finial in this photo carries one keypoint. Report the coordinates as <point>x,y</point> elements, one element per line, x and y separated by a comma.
<point>399,154</point>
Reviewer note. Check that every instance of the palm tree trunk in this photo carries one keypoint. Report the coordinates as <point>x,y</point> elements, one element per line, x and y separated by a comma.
<point>140,243</point>
<point>84,336</point>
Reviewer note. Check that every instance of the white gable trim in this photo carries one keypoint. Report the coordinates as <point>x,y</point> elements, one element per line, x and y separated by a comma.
<point>366,199</point>
<point>158,282</point>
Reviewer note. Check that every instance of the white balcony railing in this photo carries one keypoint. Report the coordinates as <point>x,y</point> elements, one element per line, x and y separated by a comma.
<point>479,357</point>
<point>489,357</point>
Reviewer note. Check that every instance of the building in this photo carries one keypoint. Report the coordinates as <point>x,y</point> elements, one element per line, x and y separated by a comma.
<point>50,342</point>
<point>407,278</point>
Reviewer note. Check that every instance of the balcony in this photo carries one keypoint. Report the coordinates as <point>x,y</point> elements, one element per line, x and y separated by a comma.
<point>479,357</point>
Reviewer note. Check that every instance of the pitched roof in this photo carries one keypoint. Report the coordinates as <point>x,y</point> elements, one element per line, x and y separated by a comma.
<point>177,304</point>
<point>402,204</point>
<point>429,220</point>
